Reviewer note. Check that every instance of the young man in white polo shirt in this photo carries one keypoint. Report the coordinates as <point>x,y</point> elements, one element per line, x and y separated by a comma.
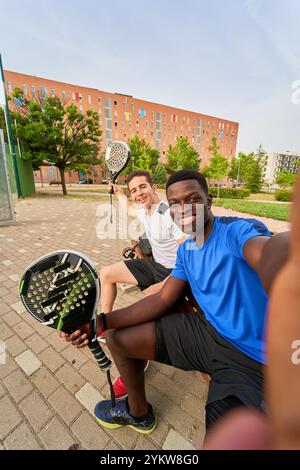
<point>164,237</point>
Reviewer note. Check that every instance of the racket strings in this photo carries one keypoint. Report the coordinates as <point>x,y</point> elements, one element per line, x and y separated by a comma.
<point>57,293</point>
<point>117,156</point>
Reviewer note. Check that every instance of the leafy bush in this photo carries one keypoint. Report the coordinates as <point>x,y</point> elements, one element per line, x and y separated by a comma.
<point>283,195</point>
<point>160,174</point>
<point>229,193</point>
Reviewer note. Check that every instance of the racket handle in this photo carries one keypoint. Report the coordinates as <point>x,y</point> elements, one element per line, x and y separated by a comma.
<point>111,191</point>
<point>100,356</point>
<point>111,208</point>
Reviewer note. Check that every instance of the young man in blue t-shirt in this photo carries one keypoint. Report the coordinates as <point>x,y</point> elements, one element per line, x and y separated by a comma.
<point>225,338</point>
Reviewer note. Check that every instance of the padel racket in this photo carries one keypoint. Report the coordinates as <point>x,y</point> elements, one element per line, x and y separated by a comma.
<point>62,290</point>
<point>117,156</point>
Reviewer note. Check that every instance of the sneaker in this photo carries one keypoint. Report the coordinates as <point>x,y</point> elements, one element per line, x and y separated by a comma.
<point>102,337</point>
<point>113,417</point>
<point>119,386</point>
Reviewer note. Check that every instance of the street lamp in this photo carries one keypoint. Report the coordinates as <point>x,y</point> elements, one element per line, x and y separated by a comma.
<point>238,175</point>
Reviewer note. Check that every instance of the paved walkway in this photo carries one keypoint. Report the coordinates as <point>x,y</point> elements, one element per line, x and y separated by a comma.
<point>48,388</point>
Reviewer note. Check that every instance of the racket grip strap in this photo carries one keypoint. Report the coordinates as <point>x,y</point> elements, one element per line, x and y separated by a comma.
<point>103,361</point>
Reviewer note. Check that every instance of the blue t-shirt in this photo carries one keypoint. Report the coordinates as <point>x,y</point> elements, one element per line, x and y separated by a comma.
<point>226,288</point>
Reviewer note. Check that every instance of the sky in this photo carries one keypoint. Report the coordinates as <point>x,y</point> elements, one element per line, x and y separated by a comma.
<point>235,59</point>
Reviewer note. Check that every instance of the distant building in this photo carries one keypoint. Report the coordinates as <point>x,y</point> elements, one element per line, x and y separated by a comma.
<point>276,162</point>
<point>122,116</point>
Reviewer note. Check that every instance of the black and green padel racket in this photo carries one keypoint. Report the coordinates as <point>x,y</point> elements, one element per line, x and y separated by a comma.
<point>61,290</point>
<point>116,157</point>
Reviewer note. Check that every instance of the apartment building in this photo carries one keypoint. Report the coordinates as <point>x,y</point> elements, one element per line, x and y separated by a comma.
<point>277,162</point>
<point>122,116</point>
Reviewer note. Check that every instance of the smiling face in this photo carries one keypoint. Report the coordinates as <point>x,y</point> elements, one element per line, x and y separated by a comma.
<point>142,192</point>
<point>190,206</point>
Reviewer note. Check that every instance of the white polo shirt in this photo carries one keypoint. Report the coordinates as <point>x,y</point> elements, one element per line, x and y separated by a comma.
<point>162,233</point>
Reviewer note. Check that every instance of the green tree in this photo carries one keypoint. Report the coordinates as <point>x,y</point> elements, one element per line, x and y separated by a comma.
<point>247,171</point>
<point>160,174</point>
<point>285,178</point>
<point>218,167</point>
<point>254,177</point>
<point>261,156</point>
<point>143,156</point>
<point>49,132</point>
<point>182,156</point>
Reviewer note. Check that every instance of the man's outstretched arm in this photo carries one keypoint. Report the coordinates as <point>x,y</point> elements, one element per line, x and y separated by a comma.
<point>148,309</point>
<point>267,256</point>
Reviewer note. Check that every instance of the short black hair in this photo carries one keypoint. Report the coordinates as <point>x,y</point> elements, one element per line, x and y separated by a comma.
<point>140,173</point>
<point>188,175</point>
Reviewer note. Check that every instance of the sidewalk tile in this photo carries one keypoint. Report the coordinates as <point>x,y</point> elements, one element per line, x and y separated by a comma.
<point>10,417</point>
<point>55,436</point>
<point>89,432</point>
<point>88,397</point>
<point>22,439</point>
<point>18,385</point>
<point>36,411</point>
<point>28,362</point>
<point>45,381</point>
<point>175,441</point>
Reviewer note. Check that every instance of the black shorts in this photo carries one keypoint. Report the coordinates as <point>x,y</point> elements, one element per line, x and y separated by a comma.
<point>189,342</point>
<point>147,271</point>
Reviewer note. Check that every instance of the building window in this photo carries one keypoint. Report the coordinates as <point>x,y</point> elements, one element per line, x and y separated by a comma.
<point>132,107</point>
<point>108,120</point>
<point>32,91</point>
<point>116,124</point>
<point>115,103</point>
<point>24,88</point>
<point>52,92</point>
<point>99,99</point>
<point>64,97</point>
<point>89,99</point>
<point>43,93</point>
<point>9,87</point>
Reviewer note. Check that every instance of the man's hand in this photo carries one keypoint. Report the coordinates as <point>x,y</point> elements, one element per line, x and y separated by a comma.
<point>115,188</point>
<point>80,337</point>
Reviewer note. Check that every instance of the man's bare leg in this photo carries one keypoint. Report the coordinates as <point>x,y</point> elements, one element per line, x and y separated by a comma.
<point>109,277</point>
<point>130,347</point>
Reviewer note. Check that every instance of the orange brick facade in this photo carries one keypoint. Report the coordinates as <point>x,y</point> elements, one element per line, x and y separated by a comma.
<point>122,116</point>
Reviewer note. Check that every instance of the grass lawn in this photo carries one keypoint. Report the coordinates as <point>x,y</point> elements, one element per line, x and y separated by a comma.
<point>273,211</point>
<point>261,197</point>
